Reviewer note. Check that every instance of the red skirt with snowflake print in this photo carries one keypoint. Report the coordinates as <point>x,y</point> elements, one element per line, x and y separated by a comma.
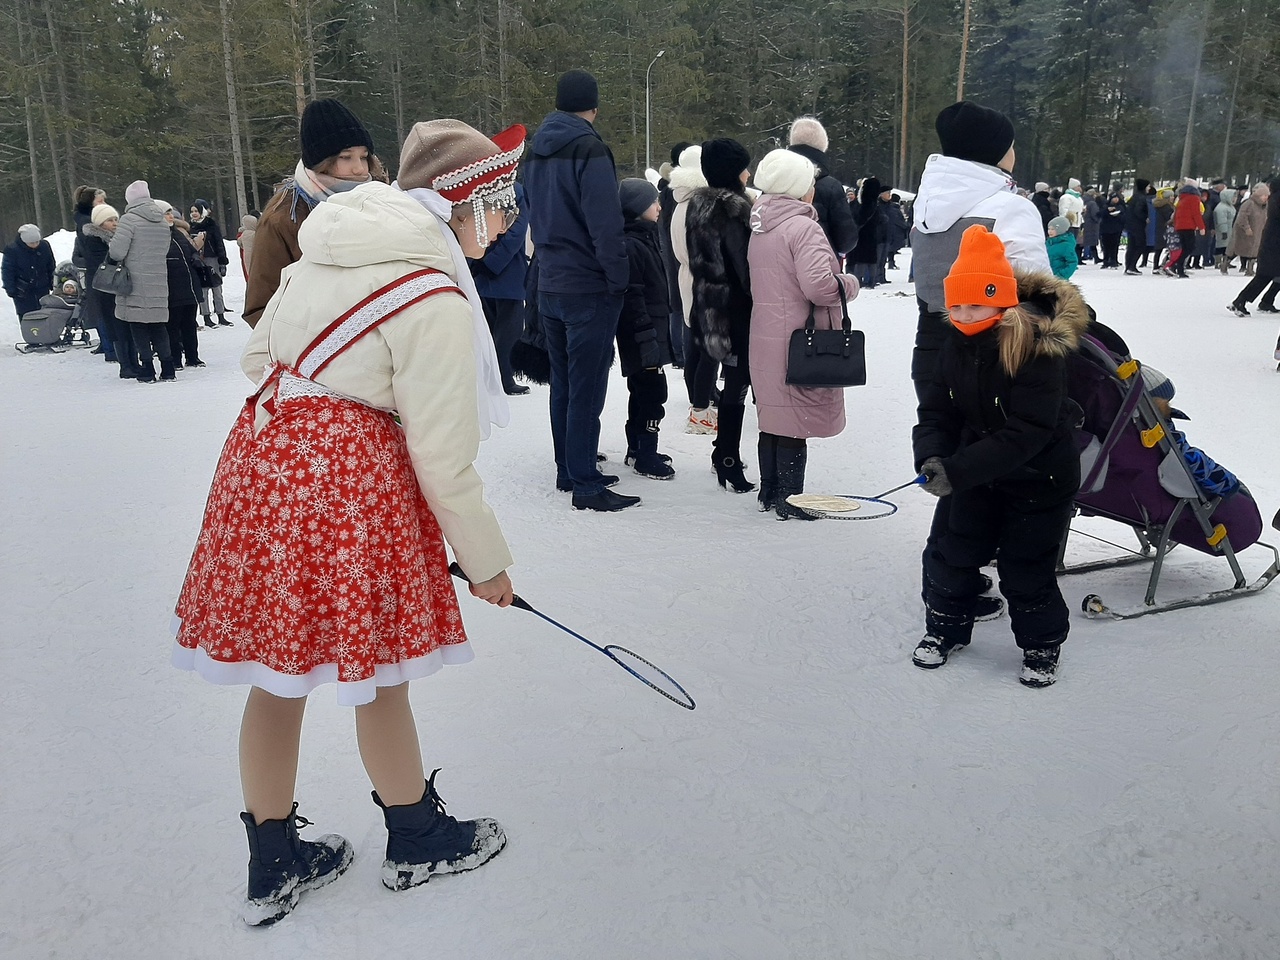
<point>318,559</point>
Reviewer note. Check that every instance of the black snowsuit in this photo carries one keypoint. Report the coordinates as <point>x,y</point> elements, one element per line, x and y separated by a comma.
<point>644,340</point>
<point>1006,441</point>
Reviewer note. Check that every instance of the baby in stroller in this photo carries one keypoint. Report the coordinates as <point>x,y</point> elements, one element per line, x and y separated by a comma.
<point>57,323</point>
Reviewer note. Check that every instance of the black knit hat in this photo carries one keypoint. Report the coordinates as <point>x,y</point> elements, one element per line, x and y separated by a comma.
<point>678,149</point>
<point>970,132</point>
<point>723,161</point>
<point>577,91</point>
<point>327,129</point>
<point>636,196</point>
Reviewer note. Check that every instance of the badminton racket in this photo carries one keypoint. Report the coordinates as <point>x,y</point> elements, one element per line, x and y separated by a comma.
<point>643,670</point>
<point>848,506</point>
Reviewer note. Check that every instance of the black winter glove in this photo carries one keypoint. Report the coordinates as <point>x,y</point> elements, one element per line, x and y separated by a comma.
<point>650,356</point>
<point>222,269</point>
<point>937,482</point>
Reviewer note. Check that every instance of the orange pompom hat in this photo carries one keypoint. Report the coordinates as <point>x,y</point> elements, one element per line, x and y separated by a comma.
<point>982,273</point>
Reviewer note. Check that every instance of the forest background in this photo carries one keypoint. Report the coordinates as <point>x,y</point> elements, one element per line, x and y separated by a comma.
<point>202,97</point>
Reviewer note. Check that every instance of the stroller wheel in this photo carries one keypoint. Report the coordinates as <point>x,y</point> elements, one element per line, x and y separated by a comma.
<point>1092,606</point>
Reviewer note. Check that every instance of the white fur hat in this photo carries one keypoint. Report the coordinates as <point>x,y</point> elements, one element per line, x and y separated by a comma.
<point>808,131</point>
<point>785,172</point>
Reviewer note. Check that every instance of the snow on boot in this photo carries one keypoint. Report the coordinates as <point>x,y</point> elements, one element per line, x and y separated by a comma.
<point>423,840</point>
<point>283,866</point>
<point>988,608</point>
<point>791,465</point>
<point>1039,667</point>
<point>931,653</point>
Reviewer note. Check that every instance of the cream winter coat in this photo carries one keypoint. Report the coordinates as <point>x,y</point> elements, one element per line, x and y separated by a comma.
<point>420,364</point>
<point>685,179</point>
<point>1246,231</point>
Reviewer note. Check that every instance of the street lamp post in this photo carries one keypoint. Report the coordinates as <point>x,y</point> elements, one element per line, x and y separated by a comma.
<point>648,159</point>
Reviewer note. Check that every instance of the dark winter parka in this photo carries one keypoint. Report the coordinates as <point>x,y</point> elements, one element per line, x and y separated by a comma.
<point>718,228</point>
<point>28,274</point>
<point>215,248</point>
<point>997,411</point>
<point>1113,212</point>
<point>1041,199</point>
<point>830,201</point>
<point>184,268</point>
<point>1136,213</point>
<point>646,307</point>
<point>872,228</point>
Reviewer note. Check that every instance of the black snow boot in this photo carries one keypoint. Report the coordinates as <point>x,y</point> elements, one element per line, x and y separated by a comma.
<point>282,866</point>
<point>648,462</point>
<point>1039,667</point>
<point>423,840</point>
<point>767,451</point>
<point>793,456</point>
<point>224,322</point>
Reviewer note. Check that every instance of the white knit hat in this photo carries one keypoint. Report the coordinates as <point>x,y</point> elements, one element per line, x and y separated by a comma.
<point>102,213</point>
<point>785,172</point>
<point>138,190</point>
<point>29,233</point>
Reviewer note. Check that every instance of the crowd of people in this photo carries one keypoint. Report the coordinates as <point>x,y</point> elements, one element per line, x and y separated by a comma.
<point>390,321</point>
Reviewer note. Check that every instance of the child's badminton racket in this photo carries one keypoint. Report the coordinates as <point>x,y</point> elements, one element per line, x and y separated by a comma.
<point>848,507</point>
<point>647,673</point>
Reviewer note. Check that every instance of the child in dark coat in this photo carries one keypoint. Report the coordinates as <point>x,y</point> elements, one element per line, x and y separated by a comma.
<point>644,340</point>
<point>996,433</point>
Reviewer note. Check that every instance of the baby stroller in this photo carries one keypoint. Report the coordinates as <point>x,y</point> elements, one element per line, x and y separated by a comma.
<point>1138,470</point>
<point>57,325</point>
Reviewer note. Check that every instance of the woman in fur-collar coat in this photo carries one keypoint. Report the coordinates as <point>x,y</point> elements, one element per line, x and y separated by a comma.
<point>995,432</point>
<point>718,228</point>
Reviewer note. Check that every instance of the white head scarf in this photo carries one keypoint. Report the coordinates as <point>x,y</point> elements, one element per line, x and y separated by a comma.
<point>491,399</point>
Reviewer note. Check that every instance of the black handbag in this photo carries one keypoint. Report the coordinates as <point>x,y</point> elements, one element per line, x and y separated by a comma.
<point>827,358</point>
<point>113,278</point>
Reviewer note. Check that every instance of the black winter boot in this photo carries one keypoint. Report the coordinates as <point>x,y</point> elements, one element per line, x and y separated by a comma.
<point>423,840</point>
<point>648,462</point>
<point>282,866</point>
<point>224,322</point>
<point>725,457</point>
<point>792,460</point>
<point>767,452</point>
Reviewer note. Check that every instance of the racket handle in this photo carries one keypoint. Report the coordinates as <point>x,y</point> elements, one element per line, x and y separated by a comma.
<point>516,599</point>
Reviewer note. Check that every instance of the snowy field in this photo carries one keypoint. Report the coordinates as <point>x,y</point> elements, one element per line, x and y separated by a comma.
<point>826,800</point>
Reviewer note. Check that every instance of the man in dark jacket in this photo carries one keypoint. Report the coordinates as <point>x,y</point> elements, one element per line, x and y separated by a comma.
<point>809,139</point>
<point>28,269</point>
<point>500,278</point>
<point>583,272</point>
<point>1136,215</point>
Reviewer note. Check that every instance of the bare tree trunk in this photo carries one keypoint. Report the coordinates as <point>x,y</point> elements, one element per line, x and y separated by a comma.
<point>502,63</point>
<point>1185,169</point>
<point>905,122</point>
<point>31,126</point>
<point>60,73</point>
<point>233,112</point>
<point>964,52</point>
<point>1231,107</point>
<point>299,90</point>
<point>311,50</point>
<point>397,79</point>
<point>63,206</point>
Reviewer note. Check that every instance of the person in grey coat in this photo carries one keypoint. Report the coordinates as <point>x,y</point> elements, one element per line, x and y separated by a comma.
<point>141,243</point>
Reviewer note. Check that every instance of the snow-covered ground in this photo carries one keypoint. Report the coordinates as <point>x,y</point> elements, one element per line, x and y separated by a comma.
<point>826,800</point>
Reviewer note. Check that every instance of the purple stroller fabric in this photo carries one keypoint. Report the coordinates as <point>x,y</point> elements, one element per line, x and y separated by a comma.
<point>1132,492</point>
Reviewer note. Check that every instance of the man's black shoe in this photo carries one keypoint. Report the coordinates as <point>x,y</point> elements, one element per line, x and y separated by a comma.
<point>605,501</point>
<point>606,479</point>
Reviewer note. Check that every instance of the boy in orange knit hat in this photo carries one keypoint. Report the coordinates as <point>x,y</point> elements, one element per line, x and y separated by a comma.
<point>995,433</point>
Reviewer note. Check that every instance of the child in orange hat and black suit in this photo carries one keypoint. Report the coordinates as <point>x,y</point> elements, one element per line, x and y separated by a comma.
<point>995,432</point>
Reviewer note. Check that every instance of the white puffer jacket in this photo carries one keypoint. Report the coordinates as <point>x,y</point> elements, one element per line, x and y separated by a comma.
<point>420,363</point>
<point>956,194</point>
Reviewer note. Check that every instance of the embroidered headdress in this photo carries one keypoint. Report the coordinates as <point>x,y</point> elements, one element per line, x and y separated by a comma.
<point>464,166</point>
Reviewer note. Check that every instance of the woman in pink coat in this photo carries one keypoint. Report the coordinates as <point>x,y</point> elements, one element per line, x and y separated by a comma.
<point>792,266</point>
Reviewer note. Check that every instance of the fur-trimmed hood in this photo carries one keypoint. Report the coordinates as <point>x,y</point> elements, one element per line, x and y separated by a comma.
<point>1048,321</point>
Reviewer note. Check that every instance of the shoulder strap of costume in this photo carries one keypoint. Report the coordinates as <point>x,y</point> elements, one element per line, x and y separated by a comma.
<point>375,309</point>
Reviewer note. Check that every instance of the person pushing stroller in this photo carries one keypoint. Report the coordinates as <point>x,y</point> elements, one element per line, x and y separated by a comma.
<point>995,433</point>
